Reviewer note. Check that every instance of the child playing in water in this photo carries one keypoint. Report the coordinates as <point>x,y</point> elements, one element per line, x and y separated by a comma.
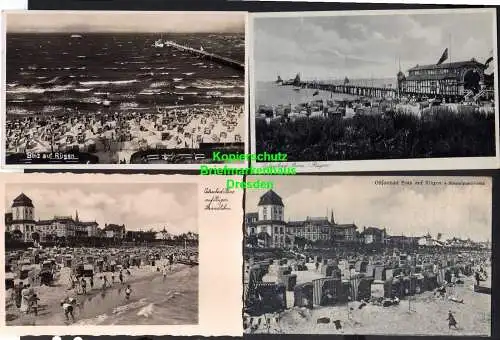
<point>127,292</point>
<point>68,308</point>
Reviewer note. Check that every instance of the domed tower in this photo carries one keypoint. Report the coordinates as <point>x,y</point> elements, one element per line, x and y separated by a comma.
<point>23,216</point>
<point>271,218</point>
<point>271,207</point>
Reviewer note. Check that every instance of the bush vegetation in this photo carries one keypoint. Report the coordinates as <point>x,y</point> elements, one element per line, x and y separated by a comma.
<point>394,135</point>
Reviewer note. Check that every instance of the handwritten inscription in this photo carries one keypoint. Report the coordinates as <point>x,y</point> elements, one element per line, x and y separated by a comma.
<point>216,198</point>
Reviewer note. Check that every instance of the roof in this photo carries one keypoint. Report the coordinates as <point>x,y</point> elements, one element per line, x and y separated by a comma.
<point>271,198</point>
<point>345,226</point>
<point>372,230</point>
<point>317,220</point>
<point>454,65</point>
<point>269,222</point>
<point>251,215</point>
<point>114,227</point>
<point>22,201</point>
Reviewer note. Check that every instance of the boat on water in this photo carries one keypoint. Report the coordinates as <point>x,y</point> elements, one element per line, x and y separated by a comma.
<point>158,43</point>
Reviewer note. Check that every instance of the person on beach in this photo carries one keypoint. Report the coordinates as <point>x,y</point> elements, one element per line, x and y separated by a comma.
<point>113,278</point>
<point>121,276</point>
<point>91,282</point>
<point>128,291</point>
<point>84,286</point>
<point>68,308</point>
<point>451,320</point>
<point>477,278</point>
<point>18,294</point>
<point>317,266</point>
<point>34,304</point>
<point>105,282</point>
<point>25,295</point>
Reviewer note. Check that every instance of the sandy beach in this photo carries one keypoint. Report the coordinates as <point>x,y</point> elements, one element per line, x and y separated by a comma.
<point>408,318</point>
<point>150,294</point>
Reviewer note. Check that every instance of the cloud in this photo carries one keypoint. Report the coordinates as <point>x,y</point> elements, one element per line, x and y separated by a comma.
<point>138,206</point>
<point>361,46</point>
<point>132,22</point>
<point>462,211</point>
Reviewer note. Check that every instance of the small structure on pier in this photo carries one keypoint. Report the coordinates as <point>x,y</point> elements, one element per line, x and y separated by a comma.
<point>452,81</point>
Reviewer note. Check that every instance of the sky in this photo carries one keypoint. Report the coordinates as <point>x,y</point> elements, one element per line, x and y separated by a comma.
<point>126,22</point>
<point>411,210</point>
<point>138,206</point>
<point>366,46</point>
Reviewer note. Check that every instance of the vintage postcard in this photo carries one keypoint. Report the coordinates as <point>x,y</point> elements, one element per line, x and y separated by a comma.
<point>398,90</point>
<point>114,254</point>
<point>128,90</point>
<point>370,256</point>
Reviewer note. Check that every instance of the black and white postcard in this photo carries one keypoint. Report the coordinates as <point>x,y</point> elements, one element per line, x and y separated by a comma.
<point>370,256</point>
<point>123,89</point>
<point>398,90</point>
<point>101,254</point>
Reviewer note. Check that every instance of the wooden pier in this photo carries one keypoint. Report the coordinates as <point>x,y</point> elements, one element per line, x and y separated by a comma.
<point>355,90</point>
<point>211,56</point>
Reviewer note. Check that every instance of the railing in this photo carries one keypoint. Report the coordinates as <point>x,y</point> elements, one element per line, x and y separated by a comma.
<point>213,56</point>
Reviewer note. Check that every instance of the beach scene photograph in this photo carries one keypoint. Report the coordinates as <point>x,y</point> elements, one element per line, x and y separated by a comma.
<point>356,255</point>
<point>374,85</point>
<point>81,254</point>
<point>123,87</point>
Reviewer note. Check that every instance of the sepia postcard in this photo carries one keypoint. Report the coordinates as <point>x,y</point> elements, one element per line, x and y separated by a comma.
<point>115,254</point>
<point>370,256</point>
<point>129,90</point>
<point>397,90</point>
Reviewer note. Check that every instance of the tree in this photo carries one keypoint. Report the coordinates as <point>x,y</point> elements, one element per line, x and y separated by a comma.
<point>35,237</point>
<point>8,236</point>
<point>252,240</point>
<point>17,234</point>
<point>300,241</point>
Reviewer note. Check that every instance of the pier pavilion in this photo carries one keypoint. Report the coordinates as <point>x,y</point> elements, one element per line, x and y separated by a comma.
<point>452,81</point>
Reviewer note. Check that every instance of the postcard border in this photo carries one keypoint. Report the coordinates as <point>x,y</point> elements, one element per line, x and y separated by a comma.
<point>416,164</point>
<point>102,166</point>
<point>209,323</point>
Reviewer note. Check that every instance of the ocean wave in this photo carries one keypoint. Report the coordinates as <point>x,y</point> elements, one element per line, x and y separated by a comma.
<point>108,82</point>
<point>159,84</point>
<point>189,73</point>
<point>186,93</point>
<point>177,79</point>
<point>83,90</point>
<point>133,305</point>
<point>232,95</point>
<point>99,319</point>
<point>37,90</point>
<point>149,92</point>
<point>181,87</point>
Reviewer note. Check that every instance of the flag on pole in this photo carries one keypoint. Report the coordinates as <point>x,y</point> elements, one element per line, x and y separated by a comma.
<point>443,58</point>
<point>489,60</point>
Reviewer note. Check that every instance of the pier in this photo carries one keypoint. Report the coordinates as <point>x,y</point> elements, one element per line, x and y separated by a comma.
<point>211,56</point>
<point>355,90</point>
